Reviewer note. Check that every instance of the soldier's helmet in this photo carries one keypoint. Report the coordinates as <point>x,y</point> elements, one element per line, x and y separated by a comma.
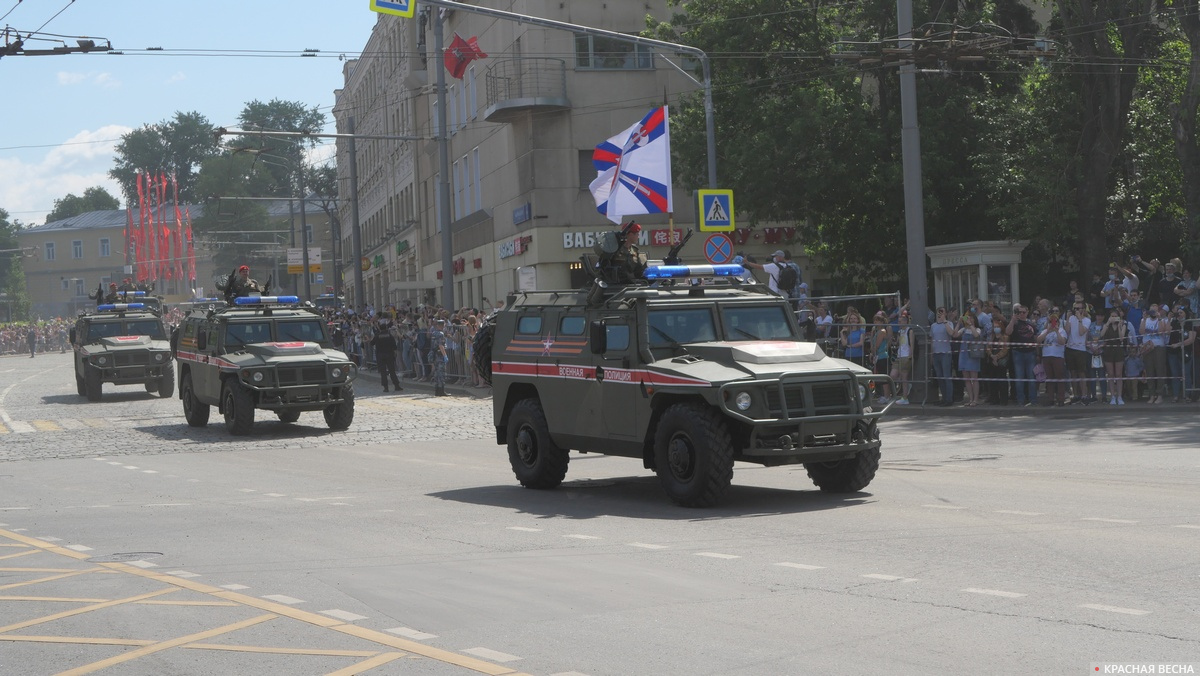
<point>112,285</point>
<point>244,268</point>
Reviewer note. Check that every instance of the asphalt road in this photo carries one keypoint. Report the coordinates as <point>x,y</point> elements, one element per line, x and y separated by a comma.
<point>133,544</point>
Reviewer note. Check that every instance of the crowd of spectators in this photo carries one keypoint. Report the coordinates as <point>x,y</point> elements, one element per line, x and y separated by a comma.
<point>35,337</point>
<point>1128,338</point>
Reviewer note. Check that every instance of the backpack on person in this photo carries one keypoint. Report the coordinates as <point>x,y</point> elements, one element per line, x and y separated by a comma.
<point>789,280</point>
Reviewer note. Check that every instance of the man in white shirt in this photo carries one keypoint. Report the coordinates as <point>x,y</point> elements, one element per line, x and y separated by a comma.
<point>1078,357</point>
<point>772,269</point>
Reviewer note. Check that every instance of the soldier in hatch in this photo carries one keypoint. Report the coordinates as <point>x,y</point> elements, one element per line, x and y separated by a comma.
<point>627,263</point>
<point>239,284</point>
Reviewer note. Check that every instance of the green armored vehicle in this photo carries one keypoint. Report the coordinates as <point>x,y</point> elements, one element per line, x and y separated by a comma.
<point>689,369</point>
<point>262,352</point>
<point>122,344</point>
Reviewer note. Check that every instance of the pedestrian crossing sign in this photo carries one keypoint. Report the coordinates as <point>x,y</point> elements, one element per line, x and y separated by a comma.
<point>404,8</point>
<point>716,210</point>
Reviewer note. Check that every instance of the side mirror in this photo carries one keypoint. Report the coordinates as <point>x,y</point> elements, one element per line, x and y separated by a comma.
<point>202,340</point>
<point>72,336</point>
<point>598,336</point>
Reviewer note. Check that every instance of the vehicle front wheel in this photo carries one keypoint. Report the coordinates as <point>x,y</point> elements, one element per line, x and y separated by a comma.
<point>339,416</point>
<point>195,412</point>
<point>80,387</point>
<point>239,408</point>
<point>166,384</point>
<point>91,383</point>
<point>536,460</point>
<point>845,476</point>
<point>693,455</point>
<point>288,416</point>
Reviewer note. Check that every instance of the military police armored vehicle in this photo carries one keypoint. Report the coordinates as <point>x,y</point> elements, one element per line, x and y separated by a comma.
<point>688,369</point>
<point>262,352</point>
<point>122,344</point>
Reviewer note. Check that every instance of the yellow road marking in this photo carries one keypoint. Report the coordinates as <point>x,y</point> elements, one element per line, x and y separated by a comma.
<point>12,544</point>
<point>188,603</point>
<point>51,578</point>
<point>3,429</point>
<point>279,608</point>
<point>78,639</point>
<point>51,599</point>
<point>424,650</point>
<point>282,651</point>
<point>27,552</point>
<point>166,645</point>
<point>38,570</point>
<point>84,609</point>
<point>45,425</point>
<point>367,664</point>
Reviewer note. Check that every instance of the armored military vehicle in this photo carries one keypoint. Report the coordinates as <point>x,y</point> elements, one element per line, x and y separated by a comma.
<point>122,344</point>
<point>262,352</point>
<point>689,369</point>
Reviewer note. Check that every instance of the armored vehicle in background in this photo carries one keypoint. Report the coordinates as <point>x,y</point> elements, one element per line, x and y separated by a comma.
<point>262,352</point>
<point>122,344</point>
<point>688,368</point>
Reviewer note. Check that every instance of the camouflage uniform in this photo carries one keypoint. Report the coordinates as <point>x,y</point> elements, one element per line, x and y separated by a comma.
<point>437,346</point>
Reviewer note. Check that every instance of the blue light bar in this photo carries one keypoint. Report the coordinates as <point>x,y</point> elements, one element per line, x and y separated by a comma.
<point>205,300</point>
<point>266,300</point>
<point>136,294</point>
<point>677,271</point>
<point>118,307</point>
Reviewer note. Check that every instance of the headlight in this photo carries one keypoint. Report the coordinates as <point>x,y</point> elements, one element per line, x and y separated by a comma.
<point>159,356</point>
<point>257,377</point>
<point>336,373</point>
<point>102,360</point>
<point>862,392</point>
<point>742,401</point>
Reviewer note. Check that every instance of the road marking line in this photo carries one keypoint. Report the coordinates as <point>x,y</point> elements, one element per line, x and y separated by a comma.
<point>343,504</point>
<point>45,425</point>
<point>142,564</point>
<point>290,600</point>
<point>1093,518</point>
<point>27,552</point>
<point>234,587</point>
<point>800,566</point>
<point>130,466</point>
<point>38,570</point>
<point>182,573</point>
<point>167,504</point>
<point>70,424</point>
<point>494,655</point>
<point>85,609</point>
<point>52,599</point>
<point>715,555</point>
<point>19,427</point>
<point>993,592</point>
<point>411,633</point>
<point>96,422</point>
<point>149,471</point>
<point>643,545</point>
<point>51,578</point>
<point>336,497</point>
<point>1187,525</point>
<point>275,495</point>
<point>366,665</point>
<point>525,529</point>
<point>1017,512</point>
<point>166,645</point>
<point>281,651</point>
<point>1115,609</point>
<point>114,462</point>
<point>890,578</point>
<point>248,490</point>
<point>943,507</point>
<point>5,509</point>
<point>578,536</point>
<point>343,615</point>
<point>80,548</point>
<point>47,538</point>
<point>79,640</point>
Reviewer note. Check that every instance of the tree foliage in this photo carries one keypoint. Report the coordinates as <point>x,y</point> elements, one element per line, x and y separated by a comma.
<point>94,199</point>
<point>12,275</point>
<point>173,147</point>
<point>282,156</point>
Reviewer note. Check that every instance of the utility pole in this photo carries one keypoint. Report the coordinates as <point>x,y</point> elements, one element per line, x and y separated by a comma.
<point>443,135</point>
<point>304,229</point>
<point>914,202</point>
<point>360,291</point>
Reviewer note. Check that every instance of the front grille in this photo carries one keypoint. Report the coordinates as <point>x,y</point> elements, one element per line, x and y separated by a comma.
<point>834,398</point>
<point>307,374</point>
<point>804,400</point>
<point>793,395</point>
<point>139,358</point>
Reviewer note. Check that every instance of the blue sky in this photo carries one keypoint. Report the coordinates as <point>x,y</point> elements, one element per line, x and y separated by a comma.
<point>63,113</point>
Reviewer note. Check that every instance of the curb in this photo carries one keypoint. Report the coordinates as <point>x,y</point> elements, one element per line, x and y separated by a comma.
<point>368,382</point>
<point>1097,409</point>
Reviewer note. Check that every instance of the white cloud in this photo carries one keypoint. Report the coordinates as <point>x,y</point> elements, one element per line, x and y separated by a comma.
<point>102,80</point>
<point>177,77</point>
<point>67,79</point>
<point>28,188</point>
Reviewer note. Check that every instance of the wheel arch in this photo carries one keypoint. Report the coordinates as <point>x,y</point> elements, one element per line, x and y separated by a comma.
<point>515,392</point>
<point>658,406</point>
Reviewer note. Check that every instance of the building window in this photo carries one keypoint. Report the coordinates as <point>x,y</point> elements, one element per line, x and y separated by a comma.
<point>79,288</point>
<point>594,52</point>
<point>478,181</point>
<point>49,251</point>
<point>452,109</point>
<point>587,171</point>
<point>77,249</point>
<point>105,247</point>
<point>473,98</point>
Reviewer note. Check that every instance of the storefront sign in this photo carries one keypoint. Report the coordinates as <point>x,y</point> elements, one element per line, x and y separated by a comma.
<point>515,246</point>
<point>666,237</point>
<point>580,240</point>
<point>401,246</point>
<point>378,262</point>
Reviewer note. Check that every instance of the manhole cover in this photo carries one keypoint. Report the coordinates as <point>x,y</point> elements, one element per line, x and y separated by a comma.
<point>121,557</point>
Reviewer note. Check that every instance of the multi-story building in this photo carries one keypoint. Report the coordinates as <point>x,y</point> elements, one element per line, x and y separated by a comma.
<point>522,126</point>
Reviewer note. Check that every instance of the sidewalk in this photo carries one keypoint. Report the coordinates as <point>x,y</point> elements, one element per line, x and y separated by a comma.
<point>1097,409</point>
<point>368,383</point>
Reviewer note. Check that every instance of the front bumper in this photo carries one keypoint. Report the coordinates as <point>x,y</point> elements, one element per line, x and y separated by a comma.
<point>298,397</point>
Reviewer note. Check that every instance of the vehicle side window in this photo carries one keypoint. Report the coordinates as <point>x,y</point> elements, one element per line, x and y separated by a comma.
<point>572,326</point>
<point>618,337</point>
<point>530,325</point>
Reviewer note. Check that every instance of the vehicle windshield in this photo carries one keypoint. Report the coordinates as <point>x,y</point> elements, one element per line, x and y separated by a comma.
<point>98,330</point>
<point>146,327</point>
<point>307,330</point>
<point>678,326</point>
<point>247,333</point>
<point>757,323</point>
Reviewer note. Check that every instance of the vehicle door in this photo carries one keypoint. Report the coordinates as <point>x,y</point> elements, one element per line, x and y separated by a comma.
<point>206,374</point>
<point>617,379</point>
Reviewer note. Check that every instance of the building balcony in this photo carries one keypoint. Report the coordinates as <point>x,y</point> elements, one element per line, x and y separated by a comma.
<point>523,85</point>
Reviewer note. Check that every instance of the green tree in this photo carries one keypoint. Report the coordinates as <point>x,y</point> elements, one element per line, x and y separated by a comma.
<point>94,199</point>
<point>279,115</point>
<point>177,146</point>
<point>15,299</point>
<point>1184,111</point>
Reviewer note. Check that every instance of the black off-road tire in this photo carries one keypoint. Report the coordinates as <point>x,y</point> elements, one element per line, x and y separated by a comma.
<point>92,384</point>
<point>80,387</point>
<point>845,476</point>
<point>288,416</point>
<point>340,416</point>
<point>151,386</point>
<point>481,351</point>
<point>693,455</point>
<point>536,460</point>
<point>239,408</point>
<point>194,411</point>
<point>166,384</point>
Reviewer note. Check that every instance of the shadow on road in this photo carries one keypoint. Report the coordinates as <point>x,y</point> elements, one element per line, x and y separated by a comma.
<point>641,497</point>
<point>116,396</point>
<point>264,429</point>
